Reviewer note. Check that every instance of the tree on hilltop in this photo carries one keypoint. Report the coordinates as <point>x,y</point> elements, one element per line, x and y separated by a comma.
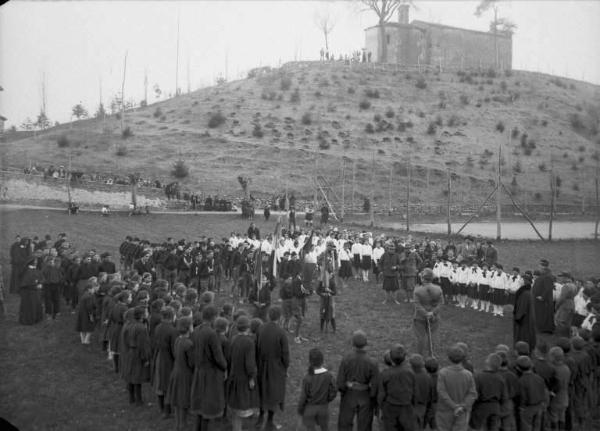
<point>325,22</point>
<point>498,24</point>
<point>79,111</point>
<point>42,121</point>
<point>384,9</point>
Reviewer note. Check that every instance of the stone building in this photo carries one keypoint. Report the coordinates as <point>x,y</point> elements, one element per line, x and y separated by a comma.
<point>438,45</point>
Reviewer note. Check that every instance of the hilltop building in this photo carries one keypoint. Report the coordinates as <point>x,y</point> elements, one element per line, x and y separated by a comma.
<point>438,45</point>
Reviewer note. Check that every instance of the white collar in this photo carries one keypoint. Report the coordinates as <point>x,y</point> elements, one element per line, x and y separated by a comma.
<point>320,370</point>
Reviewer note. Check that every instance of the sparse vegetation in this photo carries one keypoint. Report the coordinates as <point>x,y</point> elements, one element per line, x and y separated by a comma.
<point>286,83</point>
<point>514,134</point>
<point>500,126</point>
<point>180,169</point>
<point>452,121</point>
<point>121,150</point>
<point>464,99</point>
<point>439,121</point>
<point>295,97</point>
<point>351,90</point>
<point>373,94</point>
<point>157,112</point>
<point>306,119</point>
<point>63,141</point>
<point>364,104</point>
<point>257,132</point>
<point>421,83</point>
<point>542,167</point>
<point>431,129</point>
<point>127,133</point>
<point>369,128</point>
<point>389,113</point>
<point>215,120</point>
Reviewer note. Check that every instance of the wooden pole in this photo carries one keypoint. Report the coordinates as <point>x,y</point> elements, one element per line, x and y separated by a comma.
<point>68,177</point>
<point>597,203</point>
<point>478,210</point>
<point>552,194</point>
<point>177,60</point>
<point>343,188</point>
<point>353,184</point>
<point>408,195</point>
<point>372,194</point>
<point>123,94</point>
<point>449,196</point>
<point>522,212</point>
<point>498,196</point>
<point>390,189</point>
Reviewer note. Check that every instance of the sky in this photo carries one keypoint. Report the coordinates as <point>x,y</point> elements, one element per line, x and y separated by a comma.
<point>78,48</point>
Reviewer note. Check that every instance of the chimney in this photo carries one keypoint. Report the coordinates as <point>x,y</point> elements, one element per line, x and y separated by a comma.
<point>403,13</point>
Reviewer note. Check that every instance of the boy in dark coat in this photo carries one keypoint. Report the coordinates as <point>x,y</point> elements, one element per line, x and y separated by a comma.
<point>508,408</point>
<point>357,381</point>
<point>432,366</point>
<point>491,395</point>
<point>241,391</point>
<point>137,355</point>
<point>54,279</point>
<point>163,343</point>
<point>86,310</point>
<point>179,390</point>
<point>423,390</point>
<point>318,390</point>
<point>396,394</point>
<point>209,372</point>
<point>533,396</point>
<point>273,359</point>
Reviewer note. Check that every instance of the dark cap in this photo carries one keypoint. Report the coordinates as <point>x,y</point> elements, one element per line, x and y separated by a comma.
<point>544,263</point>
<point>242,323</point>
<point>524,363</point>
<point>359,339</point>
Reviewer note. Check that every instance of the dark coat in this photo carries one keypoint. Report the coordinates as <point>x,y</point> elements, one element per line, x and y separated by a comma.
<point>116,319</point>
<point>273,359</point>
<point>86,310</point>
<point>209,373</point>
<point>137,353</point>
<point>242,368</point>
<point>543,301</point>
<point>18,260</point>
<point>163,346</point>
<point>523,317</point>
<point>30,308</point>
<point>179,390</point>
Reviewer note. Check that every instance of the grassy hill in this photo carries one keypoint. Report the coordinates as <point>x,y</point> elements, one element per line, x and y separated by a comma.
<point>281,126</point>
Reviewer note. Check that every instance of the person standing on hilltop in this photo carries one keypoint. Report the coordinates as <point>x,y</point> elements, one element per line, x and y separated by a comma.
<point>543,303</point>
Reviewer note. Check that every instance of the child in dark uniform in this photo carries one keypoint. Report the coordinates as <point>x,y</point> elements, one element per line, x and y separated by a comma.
<point>423,389</point>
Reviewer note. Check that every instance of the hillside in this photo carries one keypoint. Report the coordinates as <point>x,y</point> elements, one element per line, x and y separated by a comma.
<point>282,126</point>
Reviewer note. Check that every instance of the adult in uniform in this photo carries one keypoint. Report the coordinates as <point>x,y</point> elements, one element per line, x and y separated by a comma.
<point>390,265</point>
<point>428,299</point>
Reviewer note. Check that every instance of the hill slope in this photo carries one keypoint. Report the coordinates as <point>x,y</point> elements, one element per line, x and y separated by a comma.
<point>282,126</point>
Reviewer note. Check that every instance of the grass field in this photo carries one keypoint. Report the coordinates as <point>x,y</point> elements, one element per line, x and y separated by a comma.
<point>51,382</point>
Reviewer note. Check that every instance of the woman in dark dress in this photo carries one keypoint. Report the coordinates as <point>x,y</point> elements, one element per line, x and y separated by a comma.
<point>163,344</point>
<point>523,319</point>
<point>30,309</point>
<point>136,355</point>
<point>179,390</point>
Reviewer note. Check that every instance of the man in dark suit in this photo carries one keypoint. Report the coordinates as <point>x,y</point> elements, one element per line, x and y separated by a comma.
<point>543,302</point>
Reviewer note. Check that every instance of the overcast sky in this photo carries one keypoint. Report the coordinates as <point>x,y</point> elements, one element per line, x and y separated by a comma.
<point>77,45</point>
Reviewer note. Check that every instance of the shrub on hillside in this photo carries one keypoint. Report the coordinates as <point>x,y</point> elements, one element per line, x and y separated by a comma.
<point>364,104</point>
<point>421,83</point>
<point>323,144</point>
<point>439,121</point>
<point>542,167</point>
<point>351,90</point>
<point>369,128</point>
<point>380,151</point>
<point>464,99</point>
<point>295,97</point>
<point>180,169</point>
<point>318,94</point>
<point>452,121</point>
<point>389,113</point>
<point>216,120</point>
<point>503,85</point>
<point>307,119</point>
<point>431,128</point>
<point>377,118</point>
<point>514,134</point>
<point>121,150</point>
<point>63,141</point>
<point>491,73</point>
<point>257,132</point>
<point>500,126</point>
<point>127,133</point>
<point>576,122</point>
<point>524,140</point>
<point>286,83</point>
<point>508,73</point>
<point>157,113</point>
<point>373,94</point>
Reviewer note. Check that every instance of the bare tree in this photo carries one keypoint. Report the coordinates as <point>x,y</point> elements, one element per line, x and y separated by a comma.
<point>498,24</point>
<point>325,22</point>
<point>384,9</point>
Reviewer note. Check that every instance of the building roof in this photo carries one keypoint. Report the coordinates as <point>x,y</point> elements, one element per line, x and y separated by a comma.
<point>421,24</point>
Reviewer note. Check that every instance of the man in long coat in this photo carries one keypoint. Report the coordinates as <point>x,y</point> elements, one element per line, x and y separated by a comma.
<point>273,358</point>
<point>208,389</point>
<point>19,253</point>
<point>543,302</point>
<point>524,319</point>
<point>30,308</point>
